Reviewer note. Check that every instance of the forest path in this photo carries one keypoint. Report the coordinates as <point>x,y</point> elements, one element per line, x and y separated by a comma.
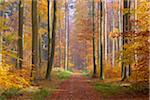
<point>76,88</point>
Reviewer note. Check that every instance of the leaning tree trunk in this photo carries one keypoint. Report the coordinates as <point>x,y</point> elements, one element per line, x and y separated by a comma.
<point>51,51</point>
<point>20,36</point>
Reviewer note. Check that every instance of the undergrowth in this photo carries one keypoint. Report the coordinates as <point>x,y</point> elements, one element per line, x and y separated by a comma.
<point>108,89</point>
<point>63,75</point>
<point>41,94</point>
<point>9,93</point>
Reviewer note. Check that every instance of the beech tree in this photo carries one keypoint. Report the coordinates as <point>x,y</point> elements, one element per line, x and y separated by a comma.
<point>35,66</point>
<point>126,28</point>
<point>20,36</point>
<point>51,52</point>
<point>67,33</point>
<point>100,42</point>
<point>94,39</point>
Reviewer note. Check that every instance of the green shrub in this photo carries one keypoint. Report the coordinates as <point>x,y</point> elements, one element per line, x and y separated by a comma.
<point>108,89</point>
<point>63,75</point>
<point>2,98</point>
<point>139,88</point>
<point>85,72</point>
<point>10,92</point>
<point>41,94</point>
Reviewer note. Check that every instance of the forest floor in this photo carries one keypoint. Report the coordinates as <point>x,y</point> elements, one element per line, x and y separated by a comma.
<point>76,86</point>
<point>79,87</point>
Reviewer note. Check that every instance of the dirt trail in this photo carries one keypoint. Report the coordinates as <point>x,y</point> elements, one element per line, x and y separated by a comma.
<point>76,88</point>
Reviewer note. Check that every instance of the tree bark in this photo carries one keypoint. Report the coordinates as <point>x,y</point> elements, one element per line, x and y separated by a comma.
<point>106,35</point>
<point>113,41</point>
<point>34,40</point>
<point>20,36</point>
<point>51,52</point>
<point>67,33</point>
<point>100,43</point>
<point>60,52</point>
<point>94,38</point>
<point>126,28</point>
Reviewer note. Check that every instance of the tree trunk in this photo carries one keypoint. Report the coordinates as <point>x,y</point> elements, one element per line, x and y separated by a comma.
<point>114,41</point>
<point>40,44</point>
<point>126,28</point>
<point>20,36</point>
<point>120,25</point>
<point>100,43</point>
<point>94,38</point>
<point>60,52</point>
<point>67,33</point>
<point>51,52</point>
<point>106,36</point>
<point>34,40</point>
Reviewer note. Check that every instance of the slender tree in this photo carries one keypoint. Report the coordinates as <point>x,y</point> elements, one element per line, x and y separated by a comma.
<point>113,41</point>
<point>120,21</point>
<point>67,33</point>
<point>49,39</point>
<point>120,27</point>
<point>20,36</point>
<point>135,18</point>
<point>94,39</point>
<point>60,51</point>
<point>1,34</point>
<point>126,28</point>
<point>100,42</point>
<point>39,42</point>
<point>51,52</point>
<point>106,34</point>
<point>34,40</point>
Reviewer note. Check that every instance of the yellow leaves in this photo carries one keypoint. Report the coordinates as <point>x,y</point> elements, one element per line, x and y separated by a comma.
<point>12,78</point>
<point>115,33</point>
<point>42,6</point>
<point>71,64</point>
<point>42,30</point>
<point>2,26</point>
<point>143,15</point>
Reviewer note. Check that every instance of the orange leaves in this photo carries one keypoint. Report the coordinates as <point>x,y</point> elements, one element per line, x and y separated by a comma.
<point>115,33</point>
<point>13,78</point>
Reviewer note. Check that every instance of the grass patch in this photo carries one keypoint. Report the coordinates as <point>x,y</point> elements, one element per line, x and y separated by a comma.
<point>2,98</point>
<point>139,88</point>
<point>85,73</point>
<point>9,93</point>
<point>108,89</point>
<point>63,75</point>
<point>41,94</point>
